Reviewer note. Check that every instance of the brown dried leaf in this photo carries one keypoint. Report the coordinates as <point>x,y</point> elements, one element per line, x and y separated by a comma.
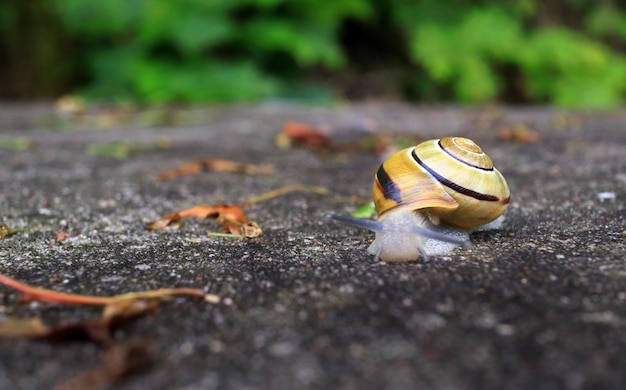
<point>61,236</point>
<point>296,133</point>
<point>251,230</point>
<point>118,362</point>
<point>44,295</point>
<point>519,133</point>
<point>22,327</point>
<point>217,165</point>
<point>98,330</point>
<point>230,216</point>
<point>233,228</point>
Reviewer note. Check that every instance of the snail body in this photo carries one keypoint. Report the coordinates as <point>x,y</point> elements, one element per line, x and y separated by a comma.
<point>430,197</point>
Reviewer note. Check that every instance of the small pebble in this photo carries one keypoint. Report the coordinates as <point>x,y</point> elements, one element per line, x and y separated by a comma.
<point>607,195</point>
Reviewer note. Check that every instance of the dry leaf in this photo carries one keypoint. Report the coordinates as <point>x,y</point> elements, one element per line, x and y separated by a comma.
<point>519,133</point>
<point>117,310</point>
<point>230,216</point>
<point>296,133</point>
<point>61,236</point>
<point>98,330</point>
<point>118,362</point>
<point>44,295</point>
<point>218,165</point>
<point>22,327</point>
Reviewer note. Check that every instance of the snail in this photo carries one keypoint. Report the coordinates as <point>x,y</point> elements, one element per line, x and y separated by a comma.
<point>430,197</point>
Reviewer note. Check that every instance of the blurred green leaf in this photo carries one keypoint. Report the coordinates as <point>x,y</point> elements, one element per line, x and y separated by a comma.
<point>476,81</point>
<point>102,18</point>
<point>366,211</point>
<point>159,51</point>
<point>160,82</point>
<point>606,21</point>
<point>308,44</point>
<point>17,144</point>
<point>196,33</point>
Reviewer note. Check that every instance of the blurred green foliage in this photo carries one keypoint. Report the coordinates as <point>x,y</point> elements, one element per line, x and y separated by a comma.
<point>190,50</point>
<point>566,52</point>
<point>469,50</point>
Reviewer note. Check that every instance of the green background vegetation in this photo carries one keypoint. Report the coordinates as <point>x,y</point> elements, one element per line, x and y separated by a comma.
<point>569,52</point>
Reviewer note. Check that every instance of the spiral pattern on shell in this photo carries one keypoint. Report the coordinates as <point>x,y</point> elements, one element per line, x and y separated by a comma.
<point>451,180</point>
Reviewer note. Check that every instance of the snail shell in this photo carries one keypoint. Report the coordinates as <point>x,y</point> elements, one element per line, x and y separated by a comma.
<point>430,197</point>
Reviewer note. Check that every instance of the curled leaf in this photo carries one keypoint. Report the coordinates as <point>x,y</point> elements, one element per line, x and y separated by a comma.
<point>237,229</point>
<point>231,217</point>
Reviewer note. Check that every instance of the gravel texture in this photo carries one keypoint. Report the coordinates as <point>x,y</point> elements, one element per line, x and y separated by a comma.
<point>537,304</point>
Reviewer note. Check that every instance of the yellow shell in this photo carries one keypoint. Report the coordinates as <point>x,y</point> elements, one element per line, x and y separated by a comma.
<point>450,180</point>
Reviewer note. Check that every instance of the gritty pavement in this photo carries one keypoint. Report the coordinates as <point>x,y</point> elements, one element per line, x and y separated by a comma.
<point>537,304</point>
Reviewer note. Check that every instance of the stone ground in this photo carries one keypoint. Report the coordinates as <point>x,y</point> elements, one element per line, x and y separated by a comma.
<point>538,304</point>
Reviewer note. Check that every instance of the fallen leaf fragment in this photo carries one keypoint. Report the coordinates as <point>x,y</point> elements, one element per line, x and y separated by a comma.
<point>122,149</point>
<point>117,310</point>
<point>250,230</point>
<point>217,165</point>
<point>61,236</point>
<point>352,140</point>
<point>231,216</point>
<point>519,133</point>
<point>23,327</point>
<point>16,144</point>
<point>365,212</point>
<point>50,296</point>
<point>247,230</point>
<point>6,231</point>
<point>302,134</point>
<point>98,330</point>
<point>212,298</point>
<point>118,362</point>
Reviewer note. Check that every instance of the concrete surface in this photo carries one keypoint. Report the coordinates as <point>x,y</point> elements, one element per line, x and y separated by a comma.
<point>538,304</point>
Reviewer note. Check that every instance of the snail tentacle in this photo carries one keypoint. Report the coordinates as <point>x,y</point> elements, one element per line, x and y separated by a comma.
<point>377,226</point>
<point>378,253</point>
<point>369,224</point>
<point>438,236</point>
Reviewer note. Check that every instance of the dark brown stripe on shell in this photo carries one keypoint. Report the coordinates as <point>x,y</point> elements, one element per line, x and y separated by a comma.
<point>450,184</point>
<point>387,185</point>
